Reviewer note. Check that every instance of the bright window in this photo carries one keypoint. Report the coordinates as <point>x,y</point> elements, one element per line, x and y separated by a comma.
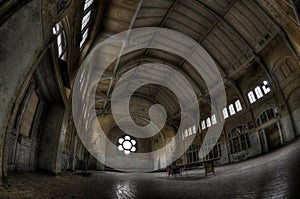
<point>85,20</point>
<point>238,105</point>
<point>208,122</point>
<point>225,113</point>
<point>266,87</point>
<point>203,125</point>
<point>127,144</point>
<point>186,133</point>
<point>258,92</point>
<point>61,40</point>
<point>251,97</point>
<point>87,4</point>
<point>231,109</point>
<point>84,37</point>
<point>190,131</point>
<point>213,119</point>
<point>194,129</point>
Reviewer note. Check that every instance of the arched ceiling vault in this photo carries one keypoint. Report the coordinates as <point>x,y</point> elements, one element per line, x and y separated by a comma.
<point>233,32</point>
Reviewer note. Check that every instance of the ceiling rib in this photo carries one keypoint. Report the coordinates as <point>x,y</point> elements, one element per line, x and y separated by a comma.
<point>137,9</point>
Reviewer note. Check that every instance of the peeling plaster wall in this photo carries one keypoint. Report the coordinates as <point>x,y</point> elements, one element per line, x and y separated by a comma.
<point>21,43</point>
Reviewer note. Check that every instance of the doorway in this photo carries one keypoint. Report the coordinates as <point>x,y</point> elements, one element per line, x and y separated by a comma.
<point>270,137</point>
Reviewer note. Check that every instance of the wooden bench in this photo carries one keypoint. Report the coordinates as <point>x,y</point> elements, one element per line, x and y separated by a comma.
<point>174,170</point>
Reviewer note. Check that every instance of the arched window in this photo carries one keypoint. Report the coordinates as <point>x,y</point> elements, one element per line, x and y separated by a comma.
<point>231,109</point>
<point>61,40</point>
<point>266,116</point>
<point>212,148</point>
<point>239,139</point>
<point>251,97</point>
<point>238,106</point>
<point>225,113</point>
<point>127,144</point>
<point>192,153</point>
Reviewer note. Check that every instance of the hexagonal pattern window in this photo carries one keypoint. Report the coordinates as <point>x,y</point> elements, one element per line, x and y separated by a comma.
<point>127,144</point>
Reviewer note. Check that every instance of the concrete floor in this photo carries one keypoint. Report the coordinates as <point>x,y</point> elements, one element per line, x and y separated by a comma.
<point>274,175</point>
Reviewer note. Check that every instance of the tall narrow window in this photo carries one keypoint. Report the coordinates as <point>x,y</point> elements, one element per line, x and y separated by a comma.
<point>186,133</point>
<point>61,40</point>
<point>231,109</point>
<point>208,122</point>
<point>213,119</point>
<point>190,131</point>
<point>238,105</point>
<point>84,37</point>
<point>203,125</point>
<point>194,129</point>
<point>85,21</point>
<point>87,4</point>
<point>251,97</point>
<point>225,113</point>
<point>266,87</point>
<point>258,92</point>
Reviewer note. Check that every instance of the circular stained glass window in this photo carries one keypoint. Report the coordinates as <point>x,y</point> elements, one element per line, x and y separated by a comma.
<point>127,144</point>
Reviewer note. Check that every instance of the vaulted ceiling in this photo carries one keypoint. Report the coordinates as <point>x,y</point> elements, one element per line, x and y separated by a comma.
<point>234,32</point>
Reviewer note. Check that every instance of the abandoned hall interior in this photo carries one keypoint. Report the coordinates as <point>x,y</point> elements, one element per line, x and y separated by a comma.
<point>149,99</point>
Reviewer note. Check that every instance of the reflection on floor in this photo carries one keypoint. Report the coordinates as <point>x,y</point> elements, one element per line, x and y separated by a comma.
<point>274,175</point>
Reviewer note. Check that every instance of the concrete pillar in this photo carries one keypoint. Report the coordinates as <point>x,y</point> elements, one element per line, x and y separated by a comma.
<point>52,139</point>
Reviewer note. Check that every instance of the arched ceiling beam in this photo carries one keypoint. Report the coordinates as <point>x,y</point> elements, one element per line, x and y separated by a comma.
<point>138,7</point>
<point>166,17</point>
<point>130,65</point>
<point>221,19</point>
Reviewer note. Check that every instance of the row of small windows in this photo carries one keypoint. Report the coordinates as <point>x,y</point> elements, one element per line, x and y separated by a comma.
<point>232,109</point>
<point>237,106</point>
<point>189,131</point>
<point>210,121</point>
<point>259,92</point>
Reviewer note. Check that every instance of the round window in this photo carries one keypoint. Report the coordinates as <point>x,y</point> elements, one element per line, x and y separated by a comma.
<point>127,144</point>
